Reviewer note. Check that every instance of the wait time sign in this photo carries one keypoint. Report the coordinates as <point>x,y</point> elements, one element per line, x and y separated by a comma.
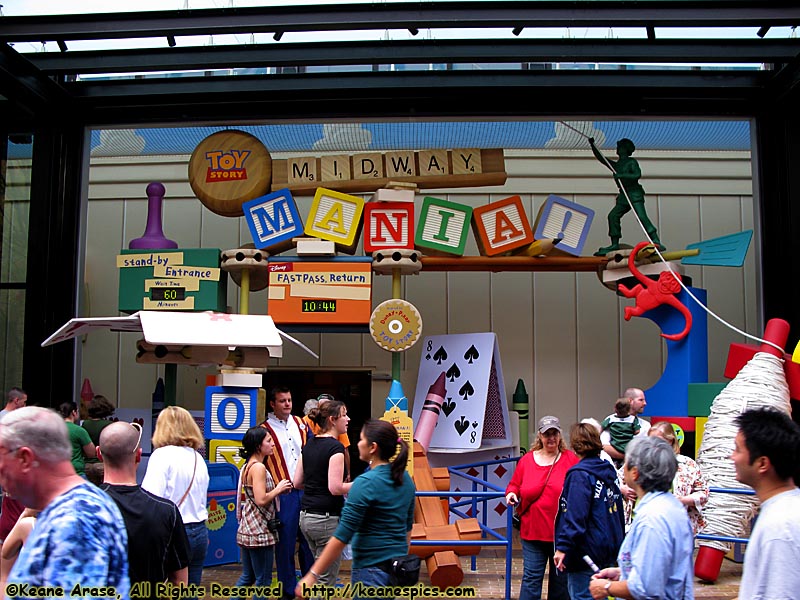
<point>336,291</point>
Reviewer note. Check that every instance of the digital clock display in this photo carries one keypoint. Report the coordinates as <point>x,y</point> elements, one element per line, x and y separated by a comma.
<point>168,294</point>
<point>316,306</point>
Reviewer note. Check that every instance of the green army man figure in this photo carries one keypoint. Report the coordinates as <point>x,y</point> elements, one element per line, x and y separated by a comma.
<point>626,175</point>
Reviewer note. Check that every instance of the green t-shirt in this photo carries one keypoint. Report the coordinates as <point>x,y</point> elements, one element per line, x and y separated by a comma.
<point>78,437</point>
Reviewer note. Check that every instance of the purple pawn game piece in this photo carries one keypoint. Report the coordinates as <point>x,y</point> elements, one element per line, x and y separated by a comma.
<point>153,237</point>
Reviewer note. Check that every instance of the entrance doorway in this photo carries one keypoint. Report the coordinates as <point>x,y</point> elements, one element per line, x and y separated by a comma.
<point>354,388</point>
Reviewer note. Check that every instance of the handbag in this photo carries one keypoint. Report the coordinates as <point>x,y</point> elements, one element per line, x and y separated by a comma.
<point>404,570</point>
<point>516,518</point>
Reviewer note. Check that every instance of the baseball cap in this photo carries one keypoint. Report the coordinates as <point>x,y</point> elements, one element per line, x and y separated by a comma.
<point>549,422</point>
<point>325,397</point>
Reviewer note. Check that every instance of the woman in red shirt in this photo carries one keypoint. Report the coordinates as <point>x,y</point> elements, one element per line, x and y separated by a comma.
<point>535,489</point>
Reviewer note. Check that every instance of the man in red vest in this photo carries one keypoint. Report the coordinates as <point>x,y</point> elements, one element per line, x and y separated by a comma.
<point>289,434</point>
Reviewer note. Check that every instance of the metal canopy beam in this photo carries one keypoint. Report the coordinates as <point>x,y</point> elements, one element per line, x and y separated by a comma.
<point>404,15</point>
<point>443,94</point>
<point>416,52</point>
<point>25,86</point>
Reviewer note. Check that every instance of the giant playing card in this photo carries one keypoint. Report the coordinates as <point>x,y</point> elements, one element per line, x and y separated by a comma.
<point>474,412</point>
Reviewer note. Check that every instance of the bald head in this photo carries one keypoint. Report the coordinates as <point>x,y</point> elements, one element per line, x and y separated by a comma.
<point>118,444</point>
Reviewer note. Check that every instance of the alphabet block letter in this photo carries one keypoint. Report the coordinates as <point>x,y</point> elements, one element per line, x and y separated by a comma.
<point>273,220</point>
<point>336,217</point>
<point>388,225</point>
<point>501,226</point>
<point>230,412</point>
<point>565,220</point>
<point>443,226</point>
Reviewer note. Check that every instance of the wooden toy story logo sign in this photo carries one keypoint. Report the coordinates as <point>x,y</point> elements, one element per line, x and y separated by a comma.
<point>231,167</point>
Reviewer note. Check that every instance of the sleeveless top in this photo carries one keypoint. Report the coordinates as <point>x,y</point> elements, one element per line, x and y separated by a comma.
<point>253,531</point>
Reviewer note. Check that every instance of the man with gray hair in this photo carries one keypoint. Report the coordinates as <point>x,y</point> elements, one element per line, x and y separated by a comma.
<point>11,509</point>
<point>158,549</point>
<point>78,541</point>
<point>655,560</point>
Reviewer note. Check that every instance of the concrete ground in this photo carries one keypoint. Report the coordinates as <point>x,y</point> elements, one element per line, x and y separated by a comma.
<point>489,578</point>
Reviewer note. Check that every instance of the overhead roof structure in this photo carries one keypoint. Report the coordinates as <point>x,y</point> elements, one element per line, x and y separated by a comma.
<point>477,73</point>
<point>527,84</point>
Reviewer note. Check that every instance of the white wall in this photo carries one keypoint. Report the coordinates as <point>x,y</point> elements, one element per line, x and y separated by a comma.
<point>562,333</point>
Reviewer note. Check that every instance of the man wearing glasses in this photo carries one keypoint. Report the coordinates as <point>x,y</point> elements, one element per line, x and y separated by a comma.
<point>78,541</point>
<point>158,549</point>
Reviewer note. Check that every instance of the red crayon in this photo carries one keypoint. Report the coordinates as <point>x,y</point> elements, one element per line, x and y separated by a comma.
<point>430,412</point>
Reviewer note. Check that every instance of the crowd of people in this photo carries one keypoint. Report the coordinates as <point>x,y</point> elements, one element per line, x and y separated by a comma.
<point>296,499</point>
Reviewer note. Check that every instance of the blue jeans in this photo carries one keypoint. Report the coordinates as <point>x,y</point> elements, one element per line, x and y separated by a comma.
<point>198,546</point>
<point>369,576</point>
<point>535,557</point>
<point>289,539</point>
<point>578,584</point>
<point>256,567</point>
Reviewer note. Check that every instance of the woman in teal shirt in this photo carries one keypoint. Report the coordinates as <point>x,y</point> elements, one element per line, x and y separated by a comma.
<point>378,514</point>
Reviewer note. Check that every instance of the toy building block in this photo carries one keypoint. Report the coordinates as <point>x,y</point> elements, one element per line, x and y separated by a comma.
<point>701,396</point>
<point>699,430</point>
<point>225,451</point>
<point>501,226</point>
<point>740,354</point>
<point>388,225</point>
<point>273,221</point>
<point>239,378</point>
<point>443,226</point>
<point>684,430</point>
<point>388,194</point>
<point>231,411</point>
<point>314,247</point>
<point>431,523</point>
<point>565,220</point>
<point>336,217</point>
<point>687,360</point>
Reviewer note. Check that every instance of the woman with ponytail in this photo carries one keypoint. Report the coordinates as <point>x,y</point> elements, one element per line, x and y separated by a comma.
<point>322,475</point>
<point>255,508</point>
<point>378,514</point>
